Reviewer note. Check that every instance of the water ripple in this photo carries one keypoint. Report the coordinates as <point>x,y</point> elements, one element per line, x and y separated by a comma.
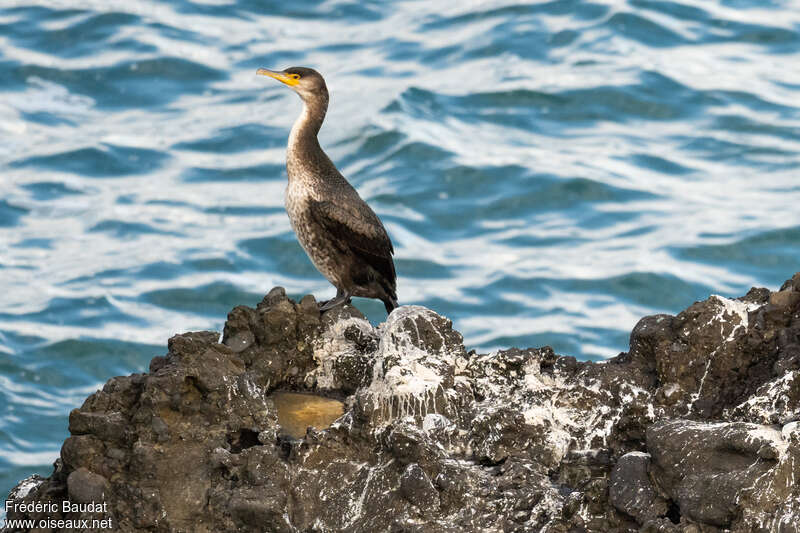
<point>108,160</point>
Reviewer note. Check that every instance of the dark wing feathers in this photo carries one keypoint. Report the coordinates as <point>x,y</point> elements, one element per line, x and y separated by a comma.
<point>361,231</point>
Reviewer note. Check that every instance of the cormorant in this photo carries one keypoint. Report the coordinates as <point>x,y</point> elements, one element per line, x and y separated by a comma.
<point>342,236</point>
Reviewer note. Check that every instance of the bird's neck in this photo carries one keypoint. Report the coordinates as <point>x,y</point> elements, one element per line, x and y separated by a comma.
<point>303,143</point>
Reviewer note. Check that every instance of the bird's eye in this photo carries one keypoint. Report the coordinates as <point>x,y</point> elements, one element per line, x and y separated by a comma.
<point>295,76</point>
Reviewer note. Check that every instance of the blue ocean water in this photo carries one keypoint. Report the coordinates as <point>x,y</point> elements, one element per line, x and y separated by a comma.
<point>549,171</point>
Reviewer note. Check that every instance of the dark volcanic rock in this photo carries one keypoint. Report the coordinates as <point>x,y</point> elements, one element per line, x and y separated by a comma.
<point>711,470</point>
<point>631,489</point>
<point>86,487</point>
<point>416,487</point>
<point>696,428</point>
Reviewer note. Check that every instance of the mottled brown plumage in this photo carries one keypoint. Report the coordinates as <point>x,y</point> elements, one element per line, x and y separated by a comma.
<point>342,236</point>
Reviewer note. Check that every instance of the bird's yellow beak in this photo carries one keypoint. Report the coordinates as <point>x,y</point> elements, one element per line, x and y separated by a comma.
<point>280,76</point>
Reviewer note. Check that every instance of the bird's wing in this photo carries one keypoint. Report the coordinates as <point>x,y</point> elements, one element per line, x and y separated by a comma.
<point>361,231</point>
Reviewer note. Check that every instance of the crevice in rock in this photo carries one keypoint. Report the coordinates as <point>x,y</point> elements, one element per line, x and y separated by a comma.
<point>285,443</point>
<point>193,385</point>
<point>673,513</point>
<point>243,439</point>
<point>489,463</point>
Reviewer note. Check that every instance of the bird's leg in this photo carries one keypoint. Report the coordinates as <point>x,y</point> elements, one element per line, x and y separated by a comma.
<point>342,297</point>
<point>338,295</point>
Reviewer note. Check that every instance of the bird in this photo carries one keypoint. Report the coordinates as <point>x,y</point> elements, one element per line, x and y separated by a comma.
<point>339,232</point>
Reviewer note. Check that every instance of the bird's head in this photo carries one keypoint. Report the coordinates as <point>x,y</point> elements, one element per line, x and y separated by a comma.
<point>306,82</point>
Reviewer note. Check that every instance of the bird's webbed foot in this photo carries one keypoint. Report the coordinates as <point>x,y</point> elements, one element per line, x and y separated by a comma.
<point>340,299</point>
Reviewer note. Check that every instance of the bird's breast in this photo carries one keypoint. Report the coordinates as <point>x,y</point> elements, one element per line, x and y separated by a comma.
<point>297,198</point>
<point>311,236</point>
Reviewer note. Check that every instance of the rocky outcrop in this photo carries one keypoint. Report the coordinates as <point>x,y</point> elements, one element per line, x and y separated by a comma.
<point>695,429</point>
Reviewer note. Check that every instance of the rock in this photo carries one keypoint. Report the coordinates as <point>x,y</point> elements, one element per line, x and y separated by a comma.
<point>714,472</point>
<point>413,368</point>
<point>253,510</point>
<point>342,354</point>
<point>106,426</point>
<point>85,487</point>
<point>410,444</point>
<point>695,428</point>
<point>792,284</point>
<point>632,492</point>
<point>416,487</point>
